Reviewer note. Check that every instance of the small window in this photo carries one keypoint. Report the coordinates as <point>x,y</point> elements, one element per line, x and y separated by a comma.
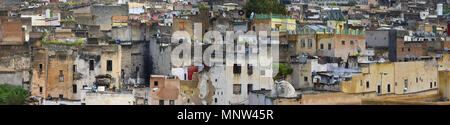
<point>74,68</point>
<point>409,49</point>
<point>171,102</point>
<point>74,88</point>
<point>161,102</point>
<point>40,67</point>
<point>61,76</point>
<point>263,72</point>
<point>215,100</point>
<point>351,42</point>
<point>343,42</point>
<point>321,46</point>
<point>237,69</point>
<point>329,46</point>
<point>309,43</point>
<point>237,89</point>
<point>367,84</point>
<point>249,69</point>
<point>61,96</point>
<point>389,88</point>
<point>155,83</point>
<point>379,89</point>
<point>305,79</point>
<point>431,85</point>
<point>303,43</point>
<point>40,89</point>
<point>188,100</point>
<point>91,64</point>
<point>406,83</point>
<point>249,88</point>
<point>109,65</point>
<point>360,83</point>
<point>435,84</point>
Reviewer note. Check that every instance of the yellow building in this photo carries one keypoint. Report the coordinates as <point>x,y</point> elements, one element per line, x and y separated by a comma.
<point>444,83</point>
<point>394,78</point>
<point>444,62</point>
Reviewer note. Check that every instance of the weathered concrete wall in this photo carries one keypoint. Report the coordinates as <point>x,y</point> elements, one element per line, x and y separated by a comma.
<point>136,63</point>
<point>130,33</point>
<point>13,78</point>
<point>444,84</point>
<point>11,32</point>
<point>378,38</point>
<point>103,14</point>
<point>109,99</point>
<point>9,3</point>
<point>331,99</point>
<point>160,58</point>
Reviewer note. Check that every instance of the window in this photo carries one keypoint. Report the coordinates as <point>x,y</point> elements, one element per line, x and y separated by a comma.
<point>215,100</point>
<point>40,89</point>
<point>409,49</point>
<point>343,42</point>
<point>406,83</point>
<point>303,43</point>
<point>321,46</point>
<point>249,88</point>
<point>188,100</point>
<point>379,89</point>
<point>367,84</point>
<point>431,85</point>
<point>351,42</point>
<point>171,102</point>
<point>74,88</point>
<point>249,69</point>
<point>161,102</point>
<point>61,76</point>
<point>61,96</point>
<point>263,72</point>
<point>309,43</point>
<point>360,83</point>
<point>389,88</point>
<point>236,89</point>
<point>237,69</point>
<point>435,84</point>
<point>403,49</point>
<point>417,80</point>
<point>329,46</point>
<point>155,83</point>
<point>305,79</point>
<point>74,68</point>
<point>40,67</point>
<point>91,64</point>
<point>109,65</point>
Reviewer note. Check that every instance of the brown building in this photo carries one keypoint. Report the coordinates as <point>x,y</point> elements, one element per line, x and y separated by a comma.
<point>410,50</point>
<point>11,31</point>
<point>52,70</point>
<point>165,90</point>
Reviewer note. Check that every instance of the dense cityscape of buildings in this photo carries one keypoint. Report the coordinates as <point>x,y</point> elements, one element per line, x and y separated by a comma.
<point>120,52</point>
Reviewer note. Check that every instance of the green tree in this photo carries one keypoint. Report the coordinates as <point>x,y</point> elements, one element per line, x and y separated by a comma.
<point>265,6</point>
<point>283,71</point>
<point>12,95</point>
